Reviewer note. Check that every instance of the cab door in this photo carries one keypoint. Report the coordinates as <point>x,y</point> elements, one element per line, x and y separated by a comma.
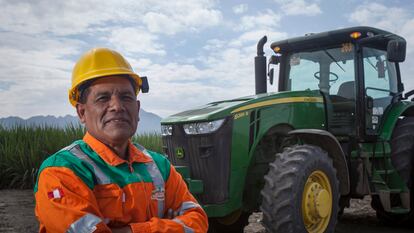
<point>380,86</point>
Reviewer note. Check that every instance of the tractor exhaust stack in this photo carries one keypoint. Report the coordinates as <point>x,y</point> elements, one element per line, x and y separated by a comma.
<point>260,67</point>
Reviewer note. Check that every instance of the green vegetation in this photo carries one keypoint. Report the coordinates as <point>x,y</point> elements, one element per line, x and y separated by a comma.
<point>22,150</point>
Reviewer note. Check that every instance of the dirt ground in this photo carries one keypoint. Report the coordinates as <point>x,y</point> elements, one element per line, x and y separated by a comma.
<point>358,218</point>
<point>17,211</point>
<point>17,216</point>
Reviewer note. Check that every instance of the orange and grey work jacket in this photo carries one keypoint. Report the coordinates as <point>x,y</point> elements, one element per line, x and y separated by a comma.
<point>86,187</point>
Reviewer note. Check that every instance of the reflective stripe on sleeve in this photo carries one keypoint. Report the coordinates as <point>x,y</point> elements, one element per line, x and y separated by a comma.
<point>86,224</point>
<point>157,180</point>
<point>186,206</point>
<point>159,186</point>
<point>186,228</point>
<point>101,178</point>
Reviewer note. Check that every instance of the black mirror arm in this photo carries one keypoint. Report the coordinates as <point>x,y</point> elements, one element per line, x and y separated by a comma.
<point>408,94</point>
<point>270,74</point>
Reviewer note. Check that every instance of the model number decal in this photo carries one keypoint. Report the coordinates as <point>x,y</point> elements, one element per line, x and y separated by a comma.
<point>240,114</point>
<point>347,47</point>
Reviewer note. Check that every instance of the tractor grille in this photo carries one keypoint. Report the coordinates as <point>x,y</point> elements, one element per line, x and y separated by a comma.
<point>208,158</point>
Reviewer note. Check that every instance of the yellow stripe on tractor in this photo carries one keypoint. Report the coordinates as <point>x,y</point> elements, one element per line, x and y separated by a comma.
<point>280,101</point>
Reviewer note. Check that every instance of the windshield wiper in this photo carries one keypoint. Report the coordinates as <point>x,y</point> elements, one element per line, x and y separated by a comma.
<point>333,59</point>
<point>369,62</point>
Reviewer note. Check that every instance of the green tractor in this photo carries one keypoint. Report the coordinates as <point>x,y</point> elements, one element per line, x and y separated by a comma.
<point>338,127</point>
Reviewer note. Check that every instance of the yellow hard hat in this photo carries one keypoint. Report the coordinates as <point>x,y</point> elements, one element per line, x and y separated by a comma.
<point>96,63</point>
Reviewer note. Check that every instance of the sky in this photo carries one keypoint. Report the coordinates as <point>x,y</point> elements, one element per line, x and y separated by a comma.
<point>193,52</point>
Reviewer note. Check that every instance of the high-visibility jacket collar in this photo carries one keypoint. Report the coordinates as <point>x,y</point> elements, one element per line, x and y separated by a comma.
<point>110,157</point>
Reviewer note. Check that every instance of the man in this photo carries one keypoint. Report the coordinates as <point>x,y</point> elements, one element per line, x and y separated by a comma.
<point>105,183</point>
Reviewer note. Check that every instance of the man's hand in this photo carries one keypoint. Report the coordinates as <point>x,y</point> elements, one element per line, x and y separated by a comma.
<point>126,229</point>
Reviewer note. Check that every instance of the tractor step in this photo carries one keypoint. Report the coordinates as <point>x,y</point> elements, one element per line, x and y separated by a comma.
<point>391,191</point>
<point>395,191</point>
<point>385,198</point>
<point>379,182</point>
<point>399,210</point>
<point>383,172</point>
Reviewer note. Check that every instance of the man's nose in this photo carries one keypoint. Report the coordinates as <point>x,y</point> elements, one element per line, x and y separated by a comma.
<point>116,104</point>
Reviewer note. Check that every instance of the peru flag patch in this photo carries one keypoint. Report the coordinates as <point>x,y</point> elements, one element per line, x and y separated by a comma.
<point>55,193</point>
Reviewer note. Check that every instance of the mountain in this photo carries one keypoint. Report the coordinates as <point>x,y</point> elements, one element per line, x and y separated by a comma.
<point>149,122</point>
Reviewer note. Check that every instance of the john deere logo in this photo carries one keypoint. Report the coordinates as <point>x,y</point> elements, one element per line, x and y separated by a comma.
<point>179,152</point>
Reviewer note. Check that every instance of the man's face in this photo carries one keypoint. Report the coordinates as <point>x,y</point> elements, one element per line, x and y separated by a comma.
<point>110,112</point>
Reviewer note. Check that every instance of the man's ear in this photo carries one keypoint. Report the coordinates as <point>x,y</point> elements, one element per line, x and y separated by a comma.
<point>139,106</point>
<point>80,110</point>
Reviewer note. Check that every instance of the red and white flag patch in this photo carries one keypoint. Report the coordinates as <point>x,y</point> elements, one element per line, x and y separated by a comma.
<point>55,193</point>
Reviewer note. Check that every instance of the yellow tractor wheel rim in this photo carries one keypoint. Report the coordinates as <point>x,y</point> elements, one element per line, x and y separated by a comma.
<point>317,202</point>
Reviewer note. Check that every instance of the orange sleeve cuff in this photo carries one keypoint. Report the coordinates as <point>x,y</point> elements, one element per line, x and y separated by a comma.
<point>141,227</point>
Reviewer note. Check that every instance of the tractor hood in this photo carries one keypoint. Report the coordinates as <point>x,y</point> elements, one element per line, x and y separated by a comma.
<point>222,109</point>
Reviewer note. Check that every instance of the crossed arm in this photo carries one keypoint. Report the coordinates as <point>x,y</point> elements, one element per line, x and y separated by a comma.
<point>78,209</point>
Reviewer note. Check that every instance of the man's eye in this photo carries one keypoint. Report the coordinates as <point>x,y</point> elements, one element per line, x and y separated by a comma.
<point>127,97</point>
<point>102,98</point>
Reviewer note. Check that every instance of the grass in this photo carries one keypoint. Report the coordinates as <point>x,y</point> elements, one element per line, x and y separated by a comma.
<point>23,149</point>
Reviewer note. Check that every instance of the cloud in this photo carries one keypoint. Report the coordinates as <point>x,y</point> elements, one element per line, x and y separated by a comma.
<point>161,23</point>
<point>37,73</point>
<point>180,16</point>
<point>131,40</point>
<point>299,7</point>
<point>214,44</point>
<point>80,17</point>
<point>407,30</point>
<point>48,16</point>
<point>267,20</point>
<point>240,9</point>
<point>5,85</point>
<point>379,15</point>
<point>176,87</point>
<point>36,57</point>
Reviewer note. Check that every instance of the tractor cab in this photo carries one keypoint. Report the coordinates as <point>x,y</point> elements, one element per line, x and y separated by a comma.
<point>355,69</point>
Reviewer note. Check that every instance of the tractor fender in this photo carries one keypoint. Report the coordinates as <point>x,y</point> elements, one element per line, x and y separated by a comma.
<point>404,108</point>
<point>327,142</point>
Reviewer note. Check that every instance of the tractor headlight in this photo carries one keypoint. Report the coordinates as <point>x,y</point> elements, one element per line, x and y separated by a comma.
<point>166,130</point>
<point>203,127</point>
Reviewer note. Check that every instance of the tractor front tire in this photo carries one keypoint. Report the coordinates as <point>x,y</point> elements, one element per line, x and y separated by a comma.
<point>301,192</point>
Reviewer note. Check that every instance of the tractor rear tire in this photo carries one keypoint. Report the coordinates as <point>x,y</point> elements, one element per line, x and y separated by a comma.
<point>402,157</point>
<point>402,149</point>
<point>301,192</point>
<point>233,223</point>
